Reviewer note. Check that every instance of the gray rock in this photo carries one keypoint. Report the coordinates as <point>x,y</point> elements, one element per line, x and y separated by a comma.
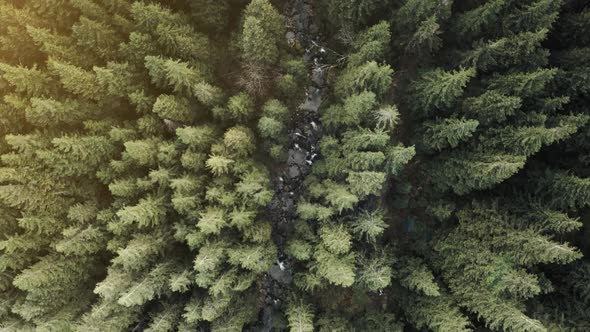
<point>290,37</point>
<point>283,277</point>
<point>318,78</point>
<point>312,104</point>
<point>289,205</point>
<point>294,171</point>
<point>296,158</point>
<point>267,320</point>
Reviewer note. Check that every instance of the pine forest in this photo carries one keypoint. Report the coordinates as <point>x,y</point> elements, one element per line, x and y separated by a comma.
<point>295,165</point>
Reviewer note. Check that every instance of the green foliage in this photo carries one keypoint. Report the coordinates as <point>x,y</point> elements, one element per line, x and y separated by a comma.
<point>398,157</point>
<point>438,89</point>
<point>344,15</point>
<point>363,184</point>
<point>219,165</point>
<point>257,43</point>
<point>262,32</point>
<point>375,274</point>
<point>463,172</point>
<point>554,221</point>
<point>525,84</point>
<point>368,77</point>
<point>415,276</point>
<point>378,321</point>
<point>299,249</point>
<point>141,152</point>
<point>182,41</point>
<point>529,140</point>
<point>472,22</point>
<point>81,241</point>
<point>175,74</point>
<point>147,288</point>
<point>565,190</point>
<point>353,111</point>
<point>239,141</point>
<point>339,197</point>
<point>337,269</point>
<point>211,14</point>
<point>212,221</point>
<point>477,233</point>
<point>507,51</point>
<point>387,117</point>
<point>76,80</point>
<point>371,45</point>
<point>239,107</point>
<point>255,258</point>
<point>270,128</point>
<point>173,108</point>
<point>369,225</point>
<point>300,317</point>
<point>96,172</point>
<point>417,24</point>
<point>31,81</point>
<point>448,132</point>
<point>148,212</point>
<point>274,109</point>
<point>336,238</point>
<point>426,38</point>
<point>200,137</point>
<point>491,107</point>
<point>308,211</point>
<point>437,313</point>
<point>136,191</point>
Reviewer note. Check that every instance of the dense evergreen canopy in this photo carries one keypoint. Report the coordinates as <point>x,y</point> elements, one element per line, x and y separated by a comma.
<point>304,165</point>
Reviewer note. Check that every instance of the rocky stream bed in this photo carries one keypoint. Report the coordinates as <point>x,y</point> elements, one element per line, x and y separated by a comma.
<point>288,178</point>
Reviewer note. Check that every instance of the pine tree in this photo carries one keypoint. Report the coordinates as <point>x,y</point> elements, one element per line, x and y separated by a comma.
<point>448,133</point>
<point>255,43</point>
<point>369,225</point>
<point>491,107</point>
<point>437,313</point>
<point>173,108</point>
<point>474,21</point>
<point>565,190</point>
<point>136,192</point>
<point>464,171</point>
<point>371,45</point>
<point>525,84</point>
<point>439,89</point>
<point>30,81</point>
<point>261,40</point>
<point>414,275</point>
<point>300,317</point>
<point>353,111</point>
<point>212,15</point>
<point>352,16</point>
<point>479,227</point>
<point>357,155</point>
<point>369,77</point>
<point>519,49</point>
<point>418,22</point>
<point>375,273</point>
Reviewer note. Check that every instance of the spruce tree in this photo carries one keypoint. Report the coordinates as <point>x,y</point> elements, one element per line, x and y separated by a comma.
<point>359,153</point>
<point>449,194</point>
